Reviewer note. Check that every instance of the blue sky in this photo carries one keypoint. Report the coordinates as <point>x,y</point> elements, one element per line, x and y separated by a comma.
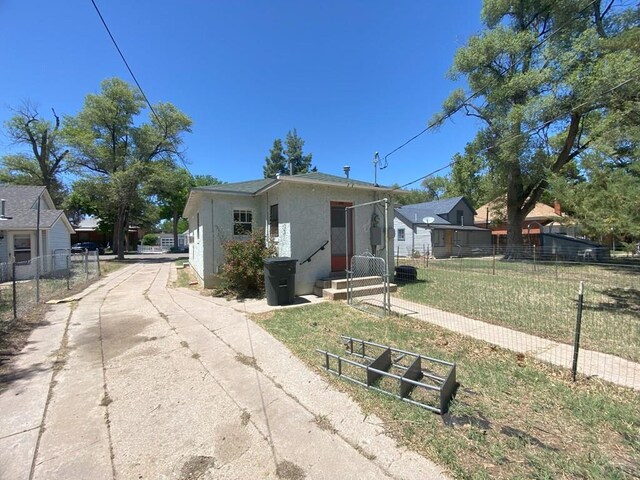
<point>354,77</point>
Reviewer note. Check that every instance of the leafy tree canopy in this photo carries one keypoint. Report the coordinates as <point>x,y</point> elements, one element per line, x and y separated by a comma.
<point>114,151</point>
<point>549,82</point>
<point>44,157</point>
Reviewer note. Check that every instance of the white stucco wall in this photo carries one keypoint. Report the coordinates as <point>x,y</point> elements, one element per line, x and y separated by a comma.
<point>215,227</point>
<point>305,224</point>
<point>196,248</point>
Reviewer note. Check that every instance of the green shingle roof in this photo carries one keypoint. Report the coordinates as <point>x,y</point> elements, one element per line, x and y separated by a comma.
<point>253,186</point>
<point>249,187</point>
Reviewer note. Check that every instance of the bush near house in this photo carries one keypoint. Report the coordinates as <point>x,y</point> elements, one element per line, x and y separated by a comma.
<point>243,270</point>
<point>150,239</point>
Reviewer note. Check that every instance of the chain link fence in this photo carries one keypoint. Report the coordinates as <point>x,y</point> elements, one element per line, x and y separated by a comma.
<point>533,305</point>
<point>367,284</point>
<point>24,285</point>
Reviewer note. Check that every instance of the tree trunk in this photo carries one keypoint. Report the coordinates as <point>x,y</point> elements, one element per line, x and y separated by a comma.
<point>120,229</point>
<point>515,241</point>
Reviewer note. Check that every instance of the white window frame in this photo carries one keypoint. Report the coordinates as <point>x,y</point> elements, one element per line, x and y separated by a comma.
<point>244,219</point>
<point>401,234</point>
<point>22,250</point>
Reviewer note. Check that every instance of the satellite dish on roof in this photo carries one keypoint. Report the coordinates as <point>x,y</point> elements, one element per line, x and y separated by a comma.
<point>428,220</point>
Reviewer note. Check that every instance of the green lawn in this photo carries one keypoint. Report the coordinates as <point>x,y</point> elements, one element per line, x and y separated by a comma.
<point>512,417</point>
<point>540,299</point>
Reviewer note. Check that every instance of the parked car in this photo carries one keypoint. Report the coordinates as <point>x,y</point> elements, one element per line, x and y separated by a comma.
<point>90,246</point>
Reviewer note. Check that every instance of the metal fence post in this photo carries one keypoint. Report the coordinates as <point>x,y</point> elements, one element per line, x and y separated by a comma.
<point>576,342</point>
<point>15,301</point>
<point>37,279</point>
<point>98,261</point>
<point>86,265</point>
<point>68,271</point>
<point>494,259</point>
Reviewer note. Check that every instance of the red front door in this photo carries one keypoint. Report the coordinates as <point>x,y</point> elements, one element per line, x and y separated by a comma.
<point>341,235</point>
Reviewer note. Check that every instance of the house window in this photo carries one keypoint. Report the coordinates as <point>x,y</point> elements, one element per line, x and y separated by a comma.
<point>437,238</point>
<point>273,220</point>
<point>198,225</point>
<point>242,220</point>
<point>22,248</point>
<point>401,234</point>
<point>459,217</point>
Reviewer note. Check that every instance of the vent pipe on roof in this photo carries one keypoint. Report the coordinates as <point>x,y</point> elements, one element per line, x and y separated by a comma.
<point>346,169</point>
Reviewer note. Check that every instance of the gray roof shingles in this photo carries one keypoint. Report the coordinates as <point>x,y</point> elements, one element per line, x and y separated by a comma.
<point>20,206</point>
<point>417,212</point>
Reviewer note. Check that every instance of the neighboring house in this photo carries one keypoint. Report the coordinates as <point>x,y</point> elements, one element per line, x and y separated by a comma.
<point>20,226</point>
<point>164,243</point>
<point>87,230</point>
<point>546,231</point>
<point>300,213</point>
<point>165,240</point>
<point>542,219</point>
<point>441,228</point>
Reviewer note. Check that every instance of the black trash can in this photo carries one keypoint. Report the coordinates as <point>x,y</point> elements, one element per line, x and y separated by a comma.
<point>280,280</point>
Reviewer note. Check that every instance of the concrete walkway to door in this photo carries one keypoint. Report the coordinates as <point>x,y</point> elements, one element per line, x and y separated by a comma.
<point>136,380</point>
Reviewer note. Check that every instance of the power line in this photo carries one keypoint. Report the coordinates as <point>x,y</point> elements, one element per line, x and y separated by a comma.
<point>531,131</point>
<point>144,95</point>
<point>478,91</point>
<point>115,44</point>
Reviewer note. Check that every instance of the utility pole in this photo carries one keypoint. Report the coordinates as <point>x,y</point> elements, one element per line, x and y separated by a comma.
<point>376,159</point>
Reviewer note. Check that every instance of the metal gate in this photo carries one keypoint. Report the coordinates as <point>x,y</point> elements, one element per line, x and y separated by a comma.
<point>367,284</point>
<point>367,273</point>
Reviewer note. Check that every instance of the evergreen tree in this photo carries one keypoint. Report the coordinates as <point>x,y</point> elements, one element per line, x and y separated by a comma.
<point>289,160</point>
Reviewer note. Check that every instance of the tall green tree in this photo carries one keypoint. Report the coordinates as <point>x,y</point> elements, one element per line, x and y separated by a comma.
<point>170,187</point>
<point>288,158</point>
<point>607,200</point>
<point>546,77</point>
<point>45,156</point>
<point>114,151</point>
<point>276,163</point>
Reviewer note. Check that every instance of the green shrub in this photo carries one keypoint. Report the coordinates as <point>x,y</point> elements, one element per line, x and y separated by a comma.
<point>150,239</point>
<point>243,269</point>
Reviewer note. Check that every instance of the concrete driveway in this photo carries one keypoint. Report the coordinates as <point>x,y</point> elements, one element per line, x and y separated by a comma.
<point>140,381</point>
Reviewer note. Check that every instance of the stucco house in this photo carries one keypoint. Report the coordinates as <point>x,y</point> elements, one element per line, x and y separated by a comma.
<point>19,227</point>
<point>439,229</point>
<point>299,213</point>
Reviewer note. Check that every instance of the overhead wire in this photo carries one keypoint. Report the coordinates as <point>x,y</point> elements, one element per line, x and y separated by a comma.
<point>124,60</point>
<point>479,91</point>
<point>531,131</point>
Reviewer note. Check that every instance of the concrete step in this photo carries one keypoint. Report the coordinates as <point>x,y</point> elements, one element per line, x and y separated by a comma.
<point>317,291</point>
<point>341,294</point>
<point>341,284</point>
<point>323,283</point>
